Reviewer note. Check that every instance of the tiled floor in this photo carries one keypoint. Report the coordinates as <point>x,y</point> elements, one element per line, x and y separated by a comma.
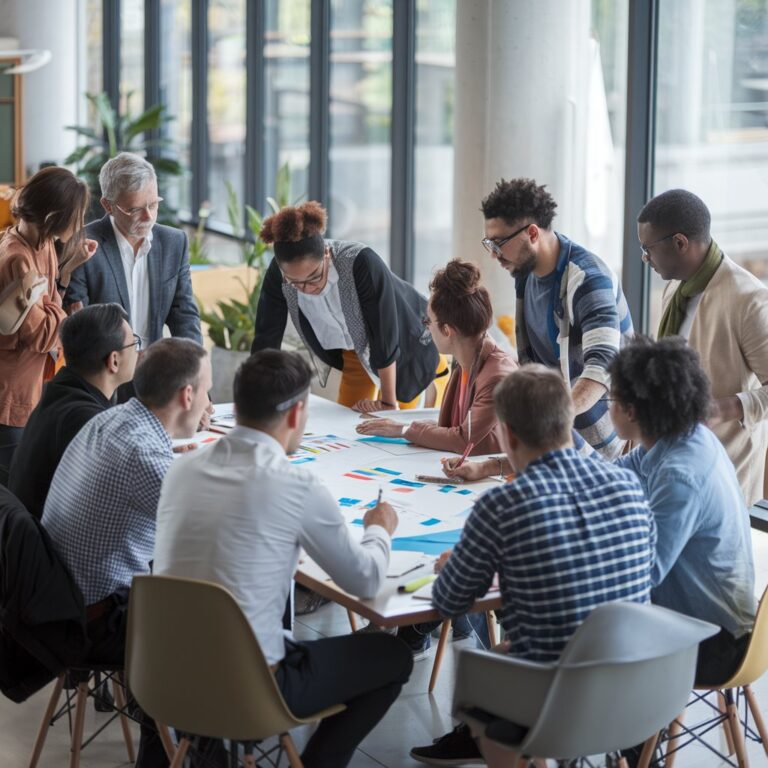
<point>416,717</point>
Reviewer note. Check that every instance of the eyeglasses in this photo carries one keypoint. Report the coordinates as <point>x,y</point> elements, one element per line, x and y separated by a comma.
<point>314,278</point>
<point>426,321</point>
<point>646,249</point>
<point>135,343</point>
<point>494,245</point>
<point>134,213</point>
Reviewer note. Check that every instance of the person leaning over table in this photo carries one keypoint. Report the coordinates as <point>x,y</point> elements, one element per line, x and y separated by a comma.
<point>50,208</point>
<point>351,312</point>
<point>458,316</point>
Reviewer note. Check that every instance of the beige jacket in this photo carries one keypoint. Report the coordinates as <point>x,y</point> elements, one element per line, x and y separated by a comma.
<point>730,333</point>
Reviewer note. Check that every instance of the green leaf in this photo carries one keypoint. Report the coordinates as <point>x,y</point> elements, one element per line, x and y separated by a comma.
<point>150,120</point>
<point>78,154</point>
<point>167,166</point>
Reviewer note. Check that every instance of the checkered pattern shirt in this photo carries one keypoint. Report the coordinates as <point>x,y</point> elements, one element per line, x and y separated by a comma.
<point>568,534</point>
<point>100,511</point>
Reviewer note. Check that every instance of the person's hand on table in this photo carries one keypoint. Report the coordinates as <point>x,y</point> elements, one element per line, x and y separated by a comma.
<point>184,448</point>
<point>469,470</point>
<point>380,427</point>
<point>369,406</point>
<point>442,560</point>
<point>382,514</point>
<point>205,419</point>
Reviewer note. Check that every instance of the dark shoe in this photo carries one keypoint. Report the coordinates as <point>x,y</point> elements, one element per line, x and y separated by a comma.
<point>308,602</point>
<point>417,641</point>
<point>462,629</point>
<point>455,748</point>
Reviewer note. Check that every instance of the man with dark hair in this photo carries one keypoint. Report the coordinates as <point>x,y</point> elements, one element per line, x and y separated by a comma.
<point>568,534</point>
<point>101,351</point>
<point>266,510</point>
<point>100,511</point>
<point>722,310</point>
<point>571,313</point>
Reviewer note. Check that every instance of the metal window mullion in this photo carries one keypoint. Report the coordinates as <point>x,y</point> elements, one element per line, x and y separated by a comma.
<point>403,124</point>
<point>110,51</point>
<point>199,134</point>
<point>319,98</point>
<point>152,43</point>
<point>254,115</point>
<point>640,149</point>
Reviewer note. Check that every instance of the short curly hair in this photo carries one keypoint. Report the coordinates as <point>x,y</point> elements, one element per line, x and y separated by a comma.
<point>665,384</point>
<point>520,199</point>
<point>678,210</point>
<point>294,222</point>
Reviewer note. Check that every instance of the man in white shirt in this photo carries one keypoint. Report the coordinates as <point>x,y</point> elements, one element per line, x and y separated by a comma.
<point>238,513</point>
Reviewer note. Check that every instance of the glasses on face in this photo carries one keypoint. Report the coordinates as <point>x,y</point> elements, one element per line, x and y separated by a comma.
<point>426,321</point>
<point>135,213</point>
<point>494,245</point>
<point>314,278</point>
<point>135,343</point>
<point>646,249</point>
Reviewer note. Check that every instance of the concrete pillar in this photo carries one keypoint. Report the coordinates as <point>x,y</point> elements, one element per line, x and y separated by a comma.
<point>522,84</point>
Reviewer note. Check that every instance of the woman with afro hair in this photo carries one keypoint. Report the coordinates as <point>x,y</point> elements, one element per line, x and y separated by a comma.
<point>350,310</point>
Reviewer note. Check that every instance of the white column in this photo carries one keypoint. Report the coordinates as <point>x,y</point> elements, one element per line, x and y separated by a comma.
<point>522,82</point>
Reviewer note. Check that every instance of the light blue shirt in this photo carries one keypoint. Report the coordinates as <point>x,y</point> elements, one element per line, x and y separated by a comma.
<point>703,562</point>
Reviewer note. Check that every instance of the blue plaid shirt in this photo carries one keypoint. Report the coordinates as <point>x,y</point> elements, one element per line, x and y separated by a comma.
<point>567,535</point>
<point>100,511</point>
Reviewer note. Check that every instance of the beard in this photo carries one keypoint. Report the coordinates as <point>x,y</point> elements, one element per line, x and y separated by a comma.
<point>527,265</point>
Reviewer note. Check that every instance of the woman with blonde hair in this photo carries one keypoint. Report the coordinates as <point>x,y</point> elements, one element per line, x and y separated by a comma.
<point>351,311</point>
<point>47,242</point>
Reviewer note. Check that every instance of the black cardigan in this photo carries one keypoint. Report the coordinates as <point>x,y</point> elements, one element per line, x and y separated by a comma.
<point>392,310</point>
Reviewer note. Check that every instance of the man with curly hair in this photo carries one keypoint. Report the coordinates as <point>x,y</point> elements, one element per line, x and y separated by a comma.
<point>722,310</point>
<point>571,313</point>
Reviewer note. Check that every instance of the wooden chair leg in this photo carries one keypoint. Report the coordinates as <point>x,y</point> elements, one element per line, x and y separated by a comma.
<point>81,701</point>
<point>352,620</point>
<point>757,716</point>
<point>441,643</point>
<point>623,763</point>
<point>286,742</point>
<point>738,737</point>
<point>53,702</point>
<point>117,692</point>
<point>181,753</point>
<point>648,748</point>
<point>674,732</point>
<point>164,732</point>
<point>490,620</point>
<point>721,705</point>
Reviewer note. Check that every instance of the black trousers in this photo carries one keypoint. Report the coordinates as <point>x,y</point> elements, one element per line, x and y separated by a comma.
<point>365,672</point>
<point>10,437</point>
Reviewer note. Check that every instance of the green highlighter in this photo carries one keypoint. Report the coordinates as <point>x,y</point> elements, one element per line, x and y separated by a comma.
<point>412,586</point>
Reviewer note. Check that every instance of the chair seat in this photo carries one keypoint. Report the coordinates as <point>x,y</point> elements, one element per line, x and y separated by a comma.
<point>321,715</point>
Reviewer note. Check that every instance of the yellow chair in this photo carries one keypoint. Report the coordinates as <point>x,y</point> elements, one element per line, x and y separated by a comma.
<point>730,695</point>
<point>193,663</point>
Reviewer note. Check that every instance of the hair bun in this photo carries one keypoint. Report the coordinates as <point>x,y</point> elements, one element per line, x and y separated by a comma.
<point>294,223</point>
<point>458,278</point>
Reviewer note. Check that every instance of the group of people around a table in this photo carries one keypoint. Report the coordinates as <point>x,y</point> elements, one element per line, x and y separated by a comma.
<point>627,464</point>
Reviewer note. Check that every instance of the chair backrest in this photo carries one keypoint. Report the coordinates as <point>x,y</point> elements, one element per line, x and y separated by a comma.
<point>193,662</point>
<point>627,671</point>
<point>755,661</point>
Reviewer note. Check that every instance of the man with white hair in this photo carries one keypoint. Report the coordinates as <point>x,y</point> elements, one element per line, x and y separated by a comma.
<point>139,264</point>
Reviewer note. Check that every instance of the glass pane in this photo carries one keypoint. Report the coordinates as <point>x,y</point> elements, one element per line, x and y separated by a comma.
<point>286,104</point>
<point>226,103</point>
<point>7,143</point>
<point>435,64</point>
<point>361,117</point>
<point>94,80</point>
<point>176,92</point>
<point>6,81</point>
<point>712,122</point>
<point>132,57</point>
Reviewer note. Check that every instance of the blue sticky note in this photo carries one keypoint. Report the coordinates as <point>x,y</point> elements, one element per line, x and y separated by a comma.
<point>345,502</point>
<point>446,488</point>
<point>387,471</point>
<point>431,521</point>
<point>464,492</point>
<point>407,483</point>
<point>429,543</point>
<point>303,460</point>
<point>377,439</point>
<point>371,504</point>
<point>358,522</point>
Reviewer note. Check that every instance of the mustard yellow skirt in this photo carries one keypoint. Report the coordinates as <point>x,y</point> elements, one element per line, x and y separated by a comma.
<point>356,384</point>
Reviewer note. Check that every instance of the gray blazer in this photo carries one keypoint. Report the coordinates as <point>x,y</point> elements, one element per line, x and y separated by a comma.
<point>102,279</point>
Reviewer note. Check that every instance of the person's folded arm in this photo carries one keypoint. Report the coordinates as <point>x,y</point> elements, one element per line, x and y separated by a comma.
<point>357,567</point>
<point>272,311</point>
<point>753,342</point>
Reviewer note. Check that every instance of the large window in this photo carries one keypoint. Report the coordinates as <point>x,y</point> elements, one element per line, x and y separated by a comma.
<point>361,122</point>
<point>712,121</point>
<point>226,103</point>
<point>286,91</point>
<point>132,56</point>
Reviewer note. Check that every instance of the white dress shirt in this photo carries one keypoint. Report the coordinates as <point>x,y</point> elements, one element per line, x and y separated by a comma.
<point>238,512</point>
<point>137,278</point>
<point>690,313</point>
<point>325,315</point>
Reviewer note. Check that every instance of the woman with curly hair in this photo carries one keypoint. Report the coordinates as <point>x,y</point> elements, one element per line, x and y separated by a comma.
<point>458,316</point>
<point>351,312</point>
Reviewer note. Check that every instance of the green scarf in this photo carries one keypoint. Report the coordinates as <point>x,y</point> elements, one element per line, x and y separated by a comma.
<point>674,314</point>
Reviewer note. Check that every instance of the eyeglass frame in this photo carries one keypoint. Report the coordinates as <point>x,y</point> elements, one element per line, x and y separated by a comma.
<point>136,211</point>
<point>645,250</point>
<point>495,245</point>
<point>137,342</point>
<point>426,321</point>
<point>310,281</point>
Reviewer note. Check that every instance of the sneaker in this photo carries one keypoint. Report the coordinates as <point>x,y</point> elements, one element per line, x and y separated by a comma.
<point>369,627</point>
<point>418,642</point>
<point>455,748</point>
<point>462,629</point>
<point>307,602</point>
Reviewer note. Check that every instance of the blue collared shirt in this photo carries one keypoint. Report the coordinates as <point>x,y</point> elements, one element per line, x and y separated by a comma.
<point>100,511</point>
<point>704,562</point>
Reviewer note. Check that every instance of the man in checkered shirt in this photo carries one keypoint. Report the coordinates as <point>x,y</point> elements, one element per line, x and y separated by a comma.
<point>100,510</point>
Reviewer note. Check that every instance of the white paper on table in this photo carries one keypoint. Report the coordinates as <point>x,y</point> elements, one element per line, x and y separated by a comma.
<point>401,563</point>
<point>423,593</point>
